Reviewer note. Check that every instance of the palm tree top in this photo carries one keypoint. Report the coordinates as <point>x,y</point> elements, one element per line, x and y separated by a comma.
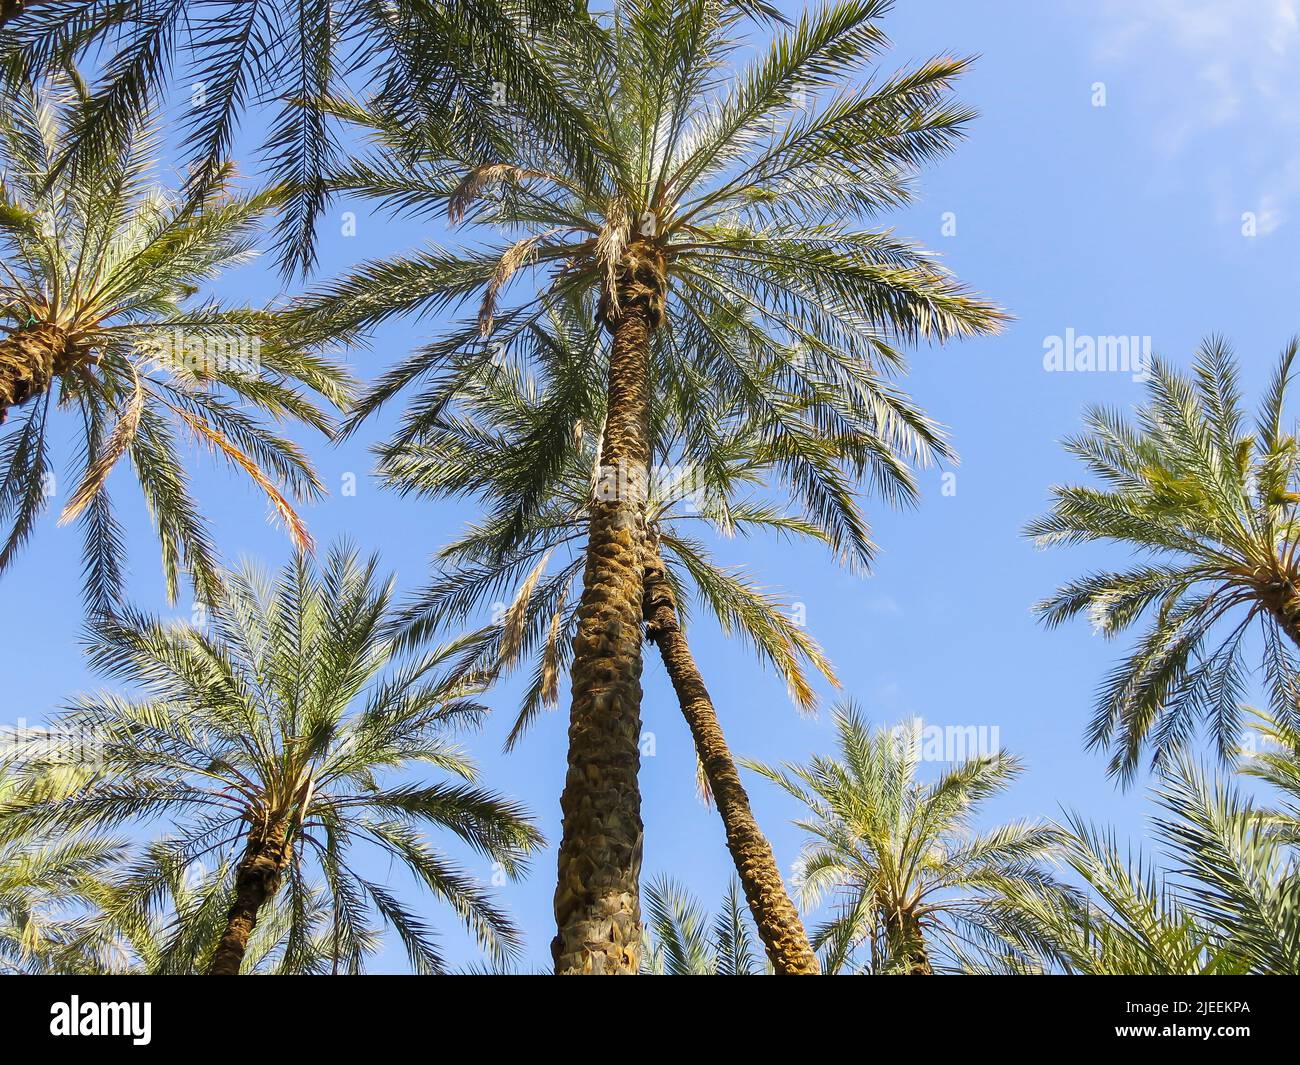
<point>99,290</point>
<point>741,197</point>
<point>291,714</point>
<point>1211,499</point>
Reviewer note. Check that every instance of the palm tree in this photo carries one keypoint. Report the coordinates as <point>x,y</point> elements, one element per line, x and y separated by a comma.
<point>96,284</point>
<point>46,885</point>
<point>913,880</point>
<point>1229,905</point>
<point>681,941</point>
<point>264,741</point>
<point>1214,505</point>
<point>705,207</point>
<point>510,441</point>
<point>469,62</point>
<point>501,437</point>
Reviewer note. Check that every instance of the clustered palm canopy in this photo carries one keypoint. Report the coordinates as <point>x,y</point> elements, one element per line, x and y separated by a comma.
<point>744,192</point>
<point>424,59</point>
<point>290,710</point>
<point>1213,501</point>
<point>99,289</point>
<point>909,877</point>
<point>681,940</point>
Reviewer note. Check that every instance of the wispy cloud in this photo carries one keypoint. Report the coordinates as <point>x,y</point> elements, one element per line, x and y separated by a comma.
<point>1223,68</point>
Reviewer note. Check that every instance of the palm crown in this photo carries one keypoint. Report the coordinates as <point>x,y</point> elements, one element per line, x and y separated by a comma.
<point>912,880</point>
<point>1213,502</point>
<point>743,201</point>
<point>273,733</point>
<point>425,60</point>
<point>97,286</point>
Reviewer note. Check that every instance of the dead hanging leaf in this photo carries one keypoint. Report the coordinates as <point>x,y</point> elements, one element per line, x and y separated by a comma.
<point>515,256</point>
<point>512,635</point>
<point>702,790</point>
<point>298,533</point>
<point>119,440</point>
<point>473,184</point>
<point>610,246</point>
<point>551,652</point>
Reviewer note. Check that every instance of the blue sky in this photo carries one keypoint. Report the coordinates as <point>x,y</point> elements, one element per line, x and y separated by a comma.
<point>1122,219</point>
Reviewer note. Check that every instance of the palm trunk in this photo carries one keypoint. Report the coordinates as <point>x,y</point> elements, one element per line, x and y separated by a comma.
<point>907,948</point>
<point>29,359</point>
<point>597,905</point>
<point>1282,601</point>
<point>774,914</point>
<point>10,9</point>
<point>256,881</point>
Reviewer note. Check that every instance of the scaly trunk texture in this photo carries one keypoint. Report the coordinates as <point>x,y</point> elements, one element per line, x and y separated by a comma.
<point>906,944</point>
<point>256,881</point>
<point>775,916</point>
<point>597,903</point>
<point>1282,600</point>
<point>29,359</point>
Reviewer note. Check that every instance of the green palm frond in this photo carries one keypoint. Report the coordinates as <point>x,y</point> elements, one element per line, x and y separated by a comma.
<point>1212,501</point>
<point>290,706</point>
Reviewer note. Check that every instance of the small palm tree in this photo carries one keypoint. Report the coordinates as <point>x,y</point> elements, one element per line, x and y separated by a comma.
<point>912,880</point>
<point>264,742</point>
<point>1213,503</point>
<point>682,941</point>
<point>96,284</point>
<point>704,206</point>
<point>1229,904</point>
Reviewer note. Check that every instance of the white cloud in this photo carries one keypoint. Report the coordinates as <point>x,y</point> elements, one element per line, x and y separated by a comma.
<point>1227,69</point>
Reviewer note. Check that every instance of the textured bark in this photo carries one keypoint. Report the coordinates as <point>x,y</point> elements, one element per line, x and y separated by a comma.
<point>29,359</point>
<point>906,943</point>
<point>597,904</point>
<point>774,914</point>
<point>1280,596</point>
<point>256,881</point>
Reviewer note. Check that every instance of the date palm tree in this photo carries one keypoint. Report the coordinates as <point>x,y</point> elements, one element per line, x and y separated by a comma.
<point>510,440</point>
<point>264,742</point>
<point>714,199</point>
<point>912,881</point>
<point>97,283</point>
<point>1212,501</point>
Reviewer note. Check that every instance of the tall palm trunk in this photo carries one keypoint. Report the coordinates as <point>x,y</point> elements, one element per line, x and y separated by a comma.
<point>775,916</point>
<point>597,906</point>
<point>29,359</point>
<point>256,881</point>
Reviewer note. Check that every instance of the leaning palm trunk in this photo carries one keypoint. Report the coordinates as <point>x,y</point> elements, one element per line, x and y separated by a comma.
<point>774,914</point>
<point>597,908</point>
<point>256,882</point>
<point>29,360</point>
